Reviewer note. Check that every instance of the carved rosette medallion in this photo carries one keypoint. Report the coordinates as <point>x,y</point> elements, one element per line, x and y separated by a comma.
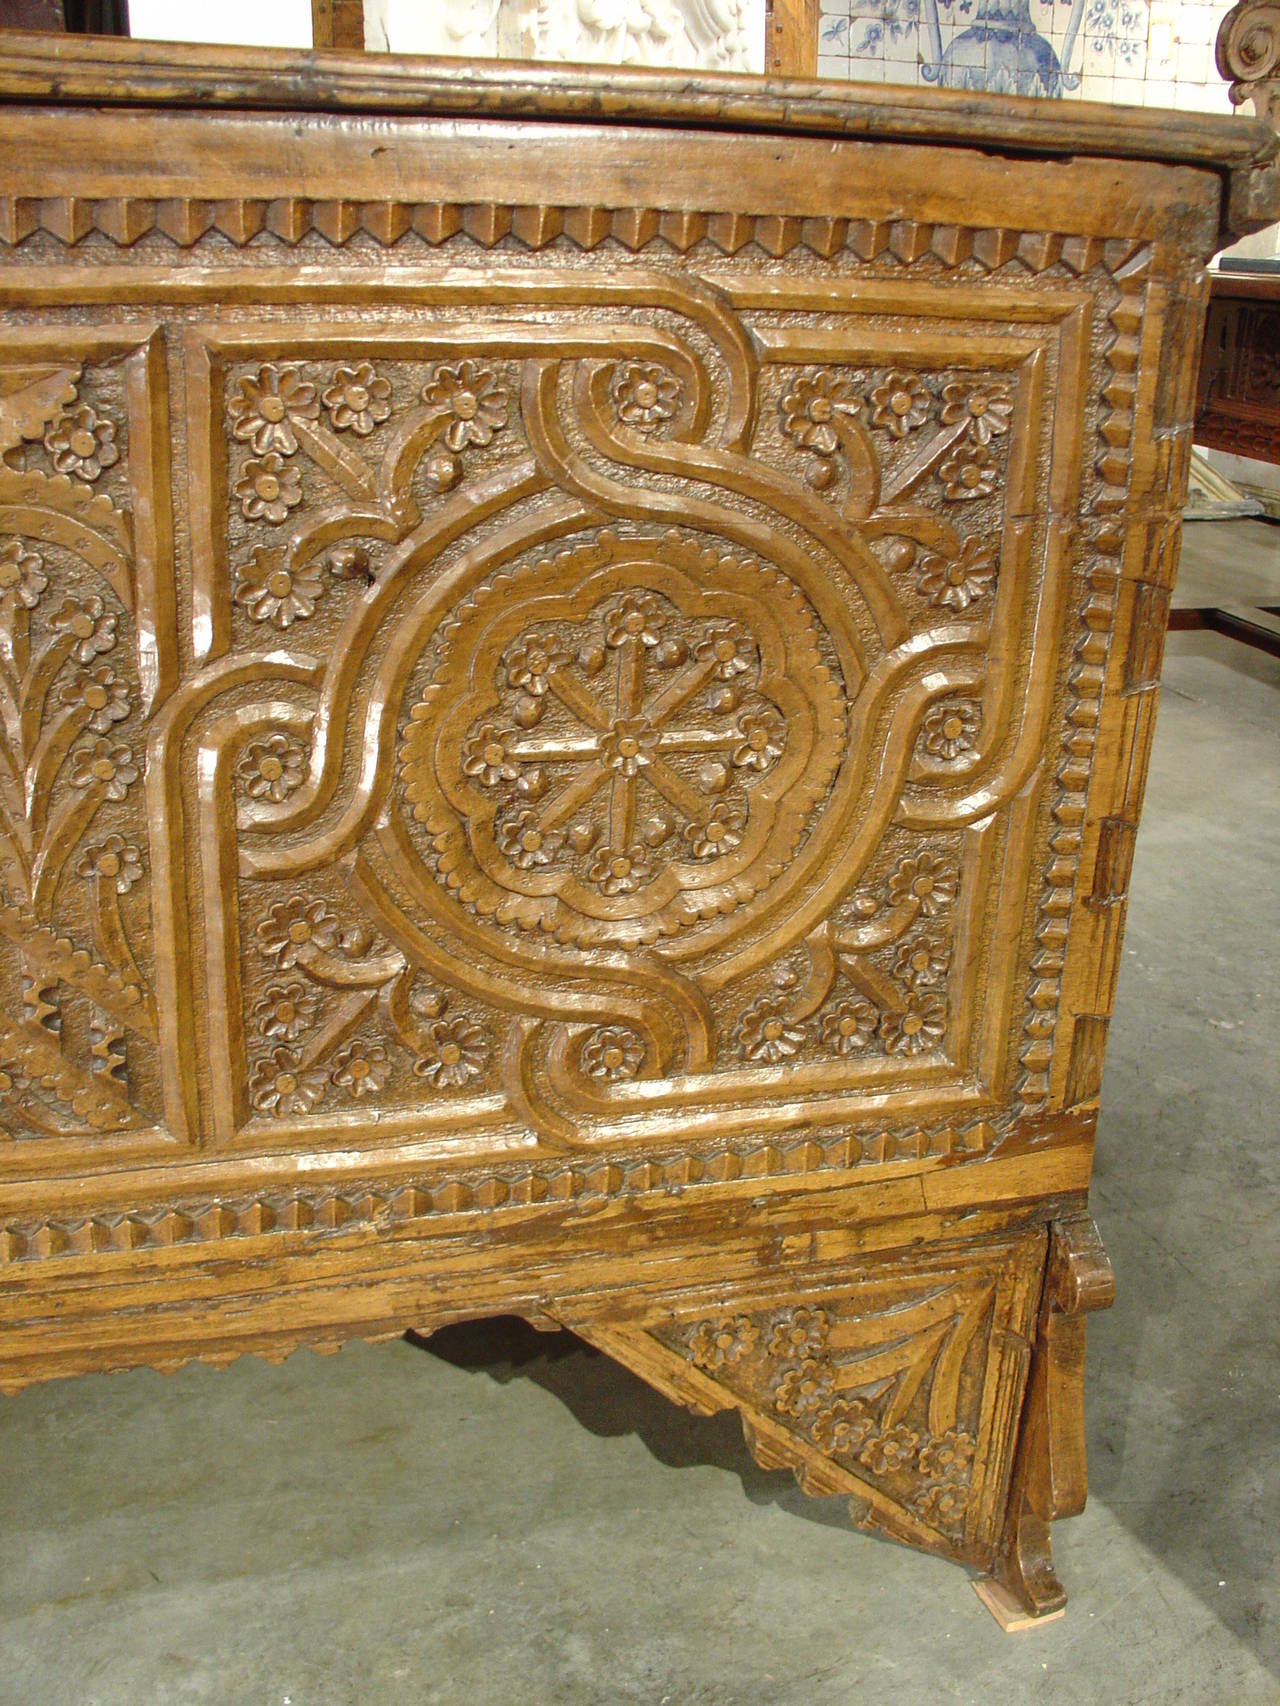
<point>622,740</point>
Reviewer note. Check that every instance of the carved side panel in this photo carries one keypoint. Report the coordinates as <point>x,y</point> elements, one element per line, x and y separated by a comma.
<point>86,641</point>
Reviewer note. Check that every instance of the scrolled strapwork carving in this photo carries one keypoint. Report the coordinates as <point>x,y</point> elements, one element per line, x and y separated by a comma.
<point>1248,56</point>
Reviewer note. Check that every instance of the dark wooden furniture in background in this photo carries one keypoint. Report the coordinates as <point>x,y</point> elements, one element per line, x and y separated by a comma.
<point>577,659</point>
<point>1238,406</point>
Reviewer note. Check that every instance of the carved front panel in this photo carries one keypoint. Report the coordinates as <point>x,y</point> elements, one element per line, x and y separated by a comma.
<point>502,689</point>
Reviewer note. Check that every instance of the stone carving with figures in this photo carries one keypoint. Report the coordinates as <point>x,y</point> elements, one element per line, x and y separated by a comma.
<point>573,716</point>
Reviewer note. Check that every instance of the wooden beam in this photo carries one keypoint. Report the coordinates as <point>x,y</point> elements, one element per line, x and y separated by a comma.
<point>791,38</point>
<point>337,23</point>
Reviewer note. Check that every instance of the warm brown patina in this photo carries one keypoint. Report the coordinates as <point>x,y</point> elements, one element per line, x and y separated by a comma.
<point>577,659</point>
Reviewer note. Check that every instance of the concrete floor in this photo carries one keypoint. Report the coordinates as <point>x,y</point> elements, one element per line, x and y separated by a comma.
<point>503,1519</point>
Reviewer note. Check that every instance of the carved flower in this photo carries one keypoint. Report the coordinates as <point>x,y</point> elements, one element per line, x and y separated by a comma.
<point>917,1026</point>
<point>104,697</point>
<point>91,625</point>
<point>968,472</point>
<point>803,1391</point>
<point>280,1084</point>
<point>799,1333</point>
<point>618,871</point>
<point>102,765</point>
<point>954,583</point>
<point>272,592</point>
<point>950,729</point>
<point>361,1068</point>
<point>893,1449</point>
<point>638,616</point>
<point>611,1053</point>
<point>644,395</point>
<point>531,663</point>
<point>485,760</point>
<point>628,747</point>
<point>358,398</point>
<point>808,407</point>
<point>526,843</point>
<point>901,404</point>
<point>717,1344</point>
<point>112,861</point>
<point>950,1454</point>
<point>290,925</point>
<point>82,443</point>
<point>730,648</point>
<point>944,1504</point>
<point>21,573</point>
<point>718,833</point>
<point>471,395</point>
<point>285,1010</point>
<point>761,735</point>
<point>260,411</point>
<point>842,1428</point>
<point>987,408</point>
<point>268,488</point>
<point>765,1033</point>
<point>928,881</point>
<point>272,767</point>
<point>923,961</point>
<point>849,1026</point>
<point>457,1051</point>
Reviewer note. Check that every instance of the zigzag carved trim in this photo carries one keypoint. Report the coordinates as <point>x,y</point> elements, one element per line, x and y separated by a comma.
<point>319,1210</point>
<point>126,219</point>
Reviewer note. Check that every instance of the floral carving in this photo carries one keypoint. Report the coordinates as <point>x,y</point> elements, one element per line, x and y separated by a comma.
<point>767,1034</point>
<point>271,591</point>
<point>849,1026</point>
<point>104,766</point>
<point>954,583</point>
<point>892,1450</point>
<point>944,1504</point>
<point>22,575</point>
<point>82,443</point>
<point>639,617</point>
<point>620,870</point>
<point>799,1333</point>
<point>295,924</point>
<point>720,1343</point>
<point>526,843</point>
<point>113,860</point>
<point>286,1010</point>
<point>531,663</point>
<point>360,1068</point>
<point>280,1084</point>
<point>842,1429</point>
<point>612,1053</point>
<point>729,650</point>
<point>457,1051</point>
<point>901,403</point>
<point>922,960</point>
<point>645,396</point>
<point>485,758</point>
<point>718,833</point>
<point>89,624</point>
<point>268,488</point>
<point>917,1026</point>
<point>809,408</point>
<point>761,736</point>
<point>968,473</point>
<point>263,410</point>
<point>803,1391</point>
<point>271,767</point>
<point>472,401</point>
<point>357,398</point>
<point>986,409</point>
<point>928,881</point>
<point>949,1455</point>
<point>950,729</point>
<point>101,693</point>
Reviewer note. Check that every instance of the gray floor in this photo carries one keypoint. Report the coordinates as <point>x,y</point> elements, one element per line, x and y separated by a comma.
<point>509,1519</point>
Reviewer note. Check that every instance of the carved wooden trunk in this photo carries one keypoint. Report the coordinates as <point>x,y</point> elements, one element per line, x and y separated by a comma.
<point>577,658</point>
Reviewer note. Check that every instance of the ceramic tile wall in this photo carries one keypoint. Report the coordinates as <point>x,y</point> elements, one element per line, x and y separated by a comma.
<point>1156,53</point>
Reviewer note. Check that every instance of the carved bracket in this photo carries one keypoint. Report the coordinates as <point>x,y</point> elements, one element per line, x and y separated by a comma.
<point>1248,56</point>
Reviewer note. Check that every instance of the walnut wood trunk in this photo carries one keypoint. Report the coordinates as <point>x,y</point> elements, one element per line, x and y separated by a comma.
<point>577,661</point>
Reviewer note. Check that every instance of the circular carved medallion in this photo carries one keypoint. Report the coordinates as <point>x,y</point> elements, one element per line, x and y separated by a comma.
<point>622,740</point>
